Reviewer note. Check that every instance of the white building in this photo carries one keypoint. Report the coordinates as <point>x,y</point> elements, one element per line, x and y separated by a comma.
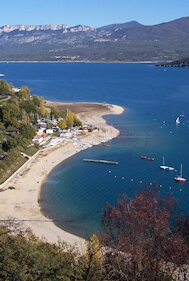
<point>37,139</point>
<point>16,90</point>
<point>49,131</point>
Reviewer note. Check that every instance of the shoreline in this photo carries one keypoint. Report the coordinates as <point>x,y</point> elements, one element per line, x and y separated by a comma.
<point>23,203</point>
<point>84,61</point>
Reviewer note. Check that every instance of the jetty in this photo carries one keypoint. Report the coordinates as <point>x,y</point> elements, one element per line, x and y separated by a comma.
<point>101,161</point>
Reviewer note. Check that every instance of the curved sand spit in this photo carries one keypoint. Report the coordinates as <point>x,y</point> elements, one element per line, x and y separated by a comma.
<point>22,203</point>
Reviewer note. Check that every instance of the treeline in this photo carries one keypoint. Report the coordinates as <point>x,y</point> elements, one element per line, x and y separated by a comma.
<point>66,119</point>
<point>18,115</point>
<point>143,240</point>
<point>177,63</point>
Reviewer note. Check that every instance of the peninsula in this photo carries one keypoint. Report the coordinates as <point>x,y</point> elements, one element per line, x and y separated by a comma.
<point>176,63</point>
<point>20,196</point>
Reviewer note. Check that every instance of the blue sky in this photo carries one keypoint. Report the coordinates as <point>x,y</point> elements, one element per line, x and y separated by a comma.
<point>91,12</point>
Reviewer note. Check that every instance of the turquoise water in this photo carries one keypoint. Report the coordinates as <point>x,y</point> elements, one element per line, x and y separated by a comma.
<point>75,192</point>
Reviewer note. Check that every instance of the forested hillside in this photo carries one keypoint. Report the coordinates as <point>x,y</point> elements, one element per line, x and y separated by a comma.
<point>18,114</point>
<point>177,63</point>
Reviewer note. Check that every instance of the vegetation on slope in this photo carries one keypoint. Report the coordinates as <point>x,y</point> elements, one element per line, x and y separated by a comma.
<point>148,241</point>
<point>19,112</point>
<point>177,63</point>
<point>144,240</point>
<point>24,257</point>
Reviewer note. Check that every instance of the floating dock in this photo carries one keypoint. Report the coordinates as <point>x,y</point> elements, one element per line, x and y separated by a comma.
<point>101,161</point>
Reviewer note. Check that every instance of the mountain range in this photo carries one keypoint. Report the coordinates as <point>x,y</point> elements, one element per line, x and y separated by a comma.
<point>129,41</point>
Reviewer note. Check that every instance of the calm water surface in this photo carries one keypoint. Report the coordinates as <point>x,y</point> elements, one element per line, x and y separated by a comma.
<point>76,192</point>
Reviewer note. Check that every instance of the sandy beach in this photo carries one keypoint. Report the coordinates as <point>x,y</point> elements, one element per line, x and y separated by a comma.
<point>22,203</point>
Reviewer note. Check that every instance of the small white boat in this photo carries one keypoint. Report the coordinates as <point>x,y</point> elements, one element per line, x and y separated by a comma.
<point>171,168</point>
<point>178,120</point>
<point>1,74</point>
<point>180,178</point>
<point>165,167</point>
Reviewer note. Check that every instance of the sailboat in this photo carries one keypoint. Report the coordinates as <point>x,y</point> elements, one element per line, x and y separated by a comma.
<point>178,120</point>
<point>180,178</point>
<point>165,167</point>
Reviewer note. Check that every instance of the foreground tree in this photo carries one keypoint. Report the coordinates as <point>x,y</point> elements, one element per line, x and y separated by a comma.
<point>93,260</point>
<point>25,257</point>
<point>142,238</point>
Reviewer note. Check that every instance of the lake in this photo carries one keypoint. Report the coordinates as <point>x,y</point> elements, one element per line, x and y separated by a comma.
<point>75,192</point>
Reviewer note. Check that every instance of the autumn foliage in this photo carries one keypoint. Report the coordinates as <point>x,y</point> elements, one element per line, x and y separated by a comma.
<point>145,237</point>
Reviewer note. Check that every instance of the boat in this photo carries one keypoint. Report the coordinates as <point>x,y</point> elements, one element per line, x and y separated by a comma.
<point>143,157</point>
<point>147,158</point>
<point>165,167</point>
<point>1,75</point>
<point>105,144</point>
<point>151,158</point>
<point>171,168</point>
<point>180,178</point>
<point>178,120</point>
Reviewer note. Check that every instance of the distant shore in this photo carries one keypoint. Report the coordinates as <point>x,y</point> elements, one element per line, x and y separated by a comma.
<point>23,202</point>
<point>82,61</point>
